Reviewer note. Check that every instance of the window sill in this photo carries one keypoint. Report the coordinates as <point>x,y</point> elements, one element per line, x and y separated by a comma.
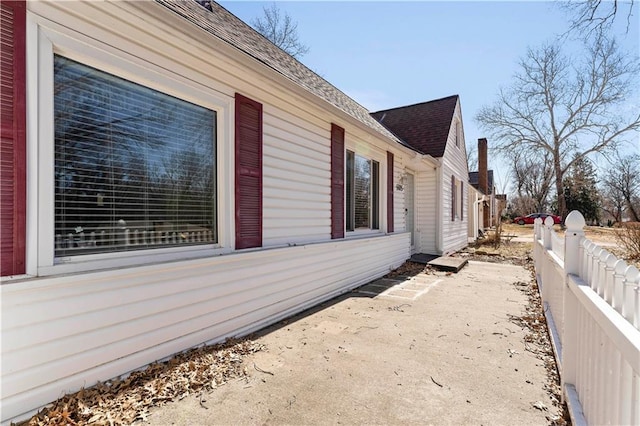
<point>364,233</point>
<point>98,262</point>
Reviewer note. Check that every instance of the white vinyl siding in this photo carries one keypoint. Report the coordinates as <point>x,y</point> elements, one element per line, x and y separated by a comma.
<point>454,233</point>
<point>399,196</point>
<point>427,211</point>
<point>82,330</point>
<point>296,180</point>
<point>64,332</point>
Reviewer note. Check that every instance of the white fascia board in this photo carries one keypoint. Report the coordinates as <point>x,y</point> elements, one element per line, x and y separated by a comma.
<point>423,162</point>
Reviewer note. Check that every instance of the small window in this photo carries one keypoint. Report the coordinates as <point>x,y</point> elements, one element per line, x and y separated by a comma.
<point>134,167</point>
<point>363,176</point>
<point>457,135</point>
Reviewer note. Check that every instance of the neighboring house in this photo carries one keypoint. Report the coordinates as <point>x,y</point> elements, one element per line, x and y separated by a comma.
<point>483,182</point>
<point>434,129</point>
<point>475,206</point>
<point>489,201</point>
<point>495,203</point>
<point>170,177</point>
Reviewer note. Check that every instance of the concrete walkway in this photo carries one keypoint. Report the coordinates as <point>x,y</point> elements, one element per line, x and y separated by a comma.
<point>435,349</point>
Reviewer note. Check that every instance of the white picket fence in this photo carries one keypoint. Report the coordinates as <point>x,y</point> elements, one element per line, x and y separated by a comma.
<point>592,304</point>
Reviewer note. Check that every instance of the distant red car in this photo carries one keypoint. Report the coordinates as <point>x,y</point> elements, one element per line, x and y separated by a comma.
<point>528,219</point>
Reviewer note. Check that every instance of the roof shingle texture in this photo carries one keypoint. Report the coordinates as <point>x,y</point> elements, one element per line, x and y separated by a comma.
<point>424,126</point>
<point>223,25</point>
<point>473,180</point>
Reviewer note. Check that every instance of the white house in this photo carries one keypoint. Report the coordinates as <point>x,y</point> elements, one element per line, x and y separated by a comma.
<point>475,206</point>
<point>434,129</point>
<point>170,178</point>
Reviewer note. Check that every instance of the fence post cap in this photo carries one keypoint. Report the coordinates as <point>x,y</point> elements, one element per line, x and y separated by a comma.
<point>574,221</point>
<point>611,262</point>
<point>548,221</point>
<point>604,254</point>
<point>632,274</point>
<point>621,267</point>
<point>537,221</point>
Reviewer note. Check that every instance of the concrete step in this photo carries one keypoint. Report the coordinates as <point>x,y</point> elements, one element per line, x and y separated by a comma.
<point>448,263</point>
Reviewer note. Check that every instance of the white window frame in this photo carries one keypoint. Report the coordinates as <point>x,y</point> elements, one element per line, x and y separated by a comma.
<point>370,153</point>
<point>44,39</point>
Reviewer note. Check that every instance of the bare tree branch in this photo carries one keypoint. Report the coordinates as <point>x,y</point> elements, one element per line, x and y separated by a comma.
<point>567,109</point>
<point>281,30</point>
<point>589,17</point>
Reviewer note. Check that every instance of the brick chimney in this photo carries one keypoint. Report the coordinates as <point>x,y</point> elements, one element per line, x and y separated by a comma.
<point>483,173</point>
<point>483,180</point>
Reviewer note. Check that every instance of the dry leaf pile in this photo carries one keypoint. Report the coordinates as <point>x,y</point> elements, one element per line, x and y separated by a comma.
<point>537,341</point>
<point>409,269</point>
<point>123,401</point>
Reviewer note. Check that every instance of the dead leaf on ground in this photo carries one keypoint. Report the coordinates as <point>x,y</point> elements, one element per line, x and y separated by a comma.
<point>124,400</point>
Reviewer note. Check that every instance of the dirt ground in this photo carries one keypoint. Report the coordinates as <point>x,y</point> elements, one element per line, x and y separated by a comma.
<point>517,239</point>
<point>597,234</point>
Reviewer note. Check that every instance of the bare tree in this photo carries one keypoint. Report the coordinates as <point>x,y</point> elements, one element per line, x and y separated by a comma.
<point>281,30</point>
<point>622,179</point>
<point>472,156</point>
<point>565,107</point>
<point>521,206</point>
<point>613,203</point>
<point>533,178</point>
<point>596,16</point>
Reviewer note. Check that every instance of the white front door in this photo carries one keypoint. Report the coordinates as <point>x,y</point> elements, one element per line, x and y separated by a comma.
<point>408,208</point>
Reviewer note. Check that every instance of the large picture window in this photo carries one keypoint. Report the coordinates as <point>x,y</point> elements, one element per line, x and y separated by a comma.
<point>134,167</point>
<point>363,176</point>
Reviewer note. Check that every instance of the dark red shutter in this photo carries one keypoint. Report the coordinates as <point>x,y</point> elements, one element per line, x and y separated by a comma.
<point>248,185</point>
<point>12,138</point>
<point>453,198</point>
<point>389,192</point>
<point>461,200</point>
<point>337,181</point>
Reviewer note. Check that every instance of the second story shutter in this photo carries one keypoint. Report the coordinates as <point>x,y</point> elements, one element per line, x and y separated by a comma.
<point>453,198</point>
<point>248,176</point>
<point>461,200</point>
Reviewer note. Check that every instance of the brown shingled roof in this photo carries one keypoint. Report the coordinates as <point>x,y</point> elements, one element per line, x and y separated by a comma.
<point>424,126</point>
<point>473,180</point>
<point>225,26</point>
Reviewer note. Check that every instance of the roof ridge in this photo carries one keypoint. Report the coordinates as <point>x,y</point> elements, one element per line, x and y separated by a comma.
<point>416,104</point>
<point>221,26</point>
<point>246,24</point>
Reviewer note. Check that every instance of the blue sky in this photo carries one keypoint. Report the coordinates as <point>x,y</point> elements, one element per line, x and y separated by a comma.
<point>389,54</point>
